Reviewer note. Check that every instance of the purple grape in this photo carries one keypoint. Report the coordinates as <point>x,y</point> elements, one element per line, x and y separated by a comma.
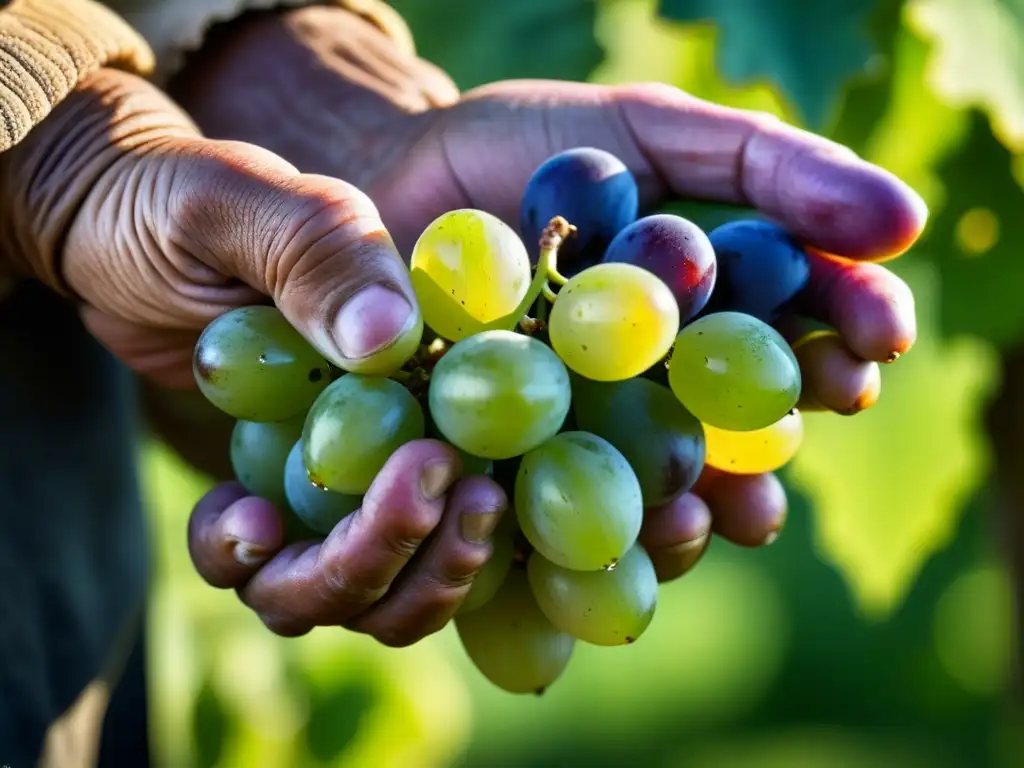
<point>761,268</point>
<point>593,190</point>
<point>676,250</point>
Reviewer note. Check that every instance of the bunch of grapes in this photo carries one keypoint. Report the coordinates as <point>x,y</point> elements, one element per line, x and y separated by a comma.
<point>594,377</point>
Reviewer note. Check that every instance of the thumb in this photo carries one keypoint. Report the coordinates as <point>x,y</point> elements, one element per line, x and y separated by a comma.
<point>316,245</point>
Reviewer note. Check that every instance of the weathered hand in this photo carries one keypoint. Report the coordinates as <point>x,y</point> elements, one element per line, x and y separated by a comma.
<point>117,200</point>
<point>398,568</point>
<point>344,100</point>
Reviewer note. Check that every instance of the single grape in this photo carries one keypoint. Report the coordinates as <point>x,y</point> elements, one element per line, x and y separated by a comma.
<point>599,607</point>
<point>613,321</point>
<point>258,454</point>
<point>469,268</point>
<point>578,501</point>
<point>498,394</point>
<point>761,450</point>
<point>590,188</point>
<point>251,364</point>
<point>661,440</point>
<point>676,250</point>
<point>354,427</point>
<point>734,372</point>
<point>761,268</point>
<point>490,578</point>
<point>512,642</point>
<point>319,509</point>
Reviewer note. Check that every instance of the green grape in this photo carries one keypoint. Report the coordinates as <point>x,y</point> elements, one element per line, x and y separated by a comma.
<point>490,578</point>
<point>613,322</point>
<point>512,642</point>
<point>319,509</point>
<point>354,427</point>
<point>578,501</point>
<point>469,268</point>
<point>258,454</point>
<point>251,364</point>
<point>498,394</point>
<point>732,371</point>
<point>599,607</point>
<point>662,441</point>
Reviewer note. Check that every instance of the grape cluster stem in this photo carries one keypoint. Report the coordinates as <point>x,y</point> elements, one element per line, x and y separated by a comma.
<point>415,375</point>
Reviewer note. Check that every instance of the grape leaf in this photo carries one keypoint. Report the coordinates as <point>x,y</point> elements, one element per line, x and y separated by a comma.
<point>337,715</point>
<point>478,43</point>
<point>887,486</point>
<point>809,50</point>
<point>977,238</point>
<point>866,101</point>
<point>978,56</point>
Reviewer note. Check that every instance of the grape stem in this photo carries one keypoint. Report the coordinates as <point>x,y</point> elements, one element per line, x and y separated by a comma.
<point>557,230</point>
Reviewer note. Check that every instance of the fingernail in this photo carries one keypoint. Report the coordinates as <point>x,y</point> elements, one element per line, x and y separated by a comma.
<point>770,538</point>
<point>250,554</point>
<point>477,527</point>
<point>435,478</point>
<point>371,320</point>
<point>251,532</point>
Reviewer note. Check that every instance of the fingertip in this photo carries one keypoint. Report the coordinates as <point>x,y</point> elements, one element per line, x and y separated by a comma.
<point>834,378</point>
<point>872,308</point>
<point>481,504</point>
<point>850,207</point>
<point>869,393</point>
<point>229,543</point>
<point>256,528</point>
<point>424,469</point>
<point>377,330</point>
<point>894,215</point>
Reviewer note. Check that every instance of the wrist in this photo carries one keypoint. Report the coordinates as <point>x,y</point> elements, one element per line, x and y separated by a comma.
<point>343,98</point>
<point>110,117</point>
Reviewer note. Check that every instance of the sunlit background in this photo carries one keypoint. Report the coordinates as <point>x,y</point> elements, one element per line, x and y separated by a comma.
<point>878,630</point>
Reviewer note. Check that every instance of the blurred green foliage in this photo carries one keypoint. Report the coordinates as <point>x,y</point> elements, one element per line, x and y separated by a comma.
<point>878,630</point>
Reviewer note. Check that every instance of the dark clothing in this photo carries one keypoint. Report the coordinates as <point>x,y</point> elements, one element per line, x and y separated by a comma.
<point>73,546</point>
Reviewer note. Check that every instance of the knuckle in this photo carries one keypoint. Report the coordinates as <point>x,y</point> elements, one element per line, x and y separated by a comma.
<point>403,546</point>
<point>345,592</point>
<point>327,218</point>
<point>461,568</point>
<point>404,531</point>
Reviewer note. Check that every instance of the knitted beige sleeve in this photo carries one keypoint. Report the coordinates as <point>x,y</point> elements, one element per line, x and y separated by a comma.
<point>47,47</point>
<point>175,28</point>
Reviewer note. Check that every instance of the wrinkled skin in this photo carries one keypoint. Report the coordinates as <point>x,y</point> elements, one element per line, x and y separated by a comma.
<point>344,102</point>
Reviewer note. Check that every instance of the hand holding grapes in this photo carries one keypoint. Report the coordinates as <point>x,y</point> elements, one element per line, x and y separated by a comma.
<point>117,201</point>
<point>402,132</point>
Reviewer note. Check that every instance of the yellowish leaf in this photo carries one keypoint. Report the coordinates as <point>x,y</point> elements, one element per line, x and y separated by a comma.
<point>888,485</point>
<point>978,57</point>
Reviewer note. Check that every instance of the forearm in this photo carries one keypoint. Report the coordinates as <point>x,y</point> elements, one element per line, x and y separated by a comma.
<point>47,49</point>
